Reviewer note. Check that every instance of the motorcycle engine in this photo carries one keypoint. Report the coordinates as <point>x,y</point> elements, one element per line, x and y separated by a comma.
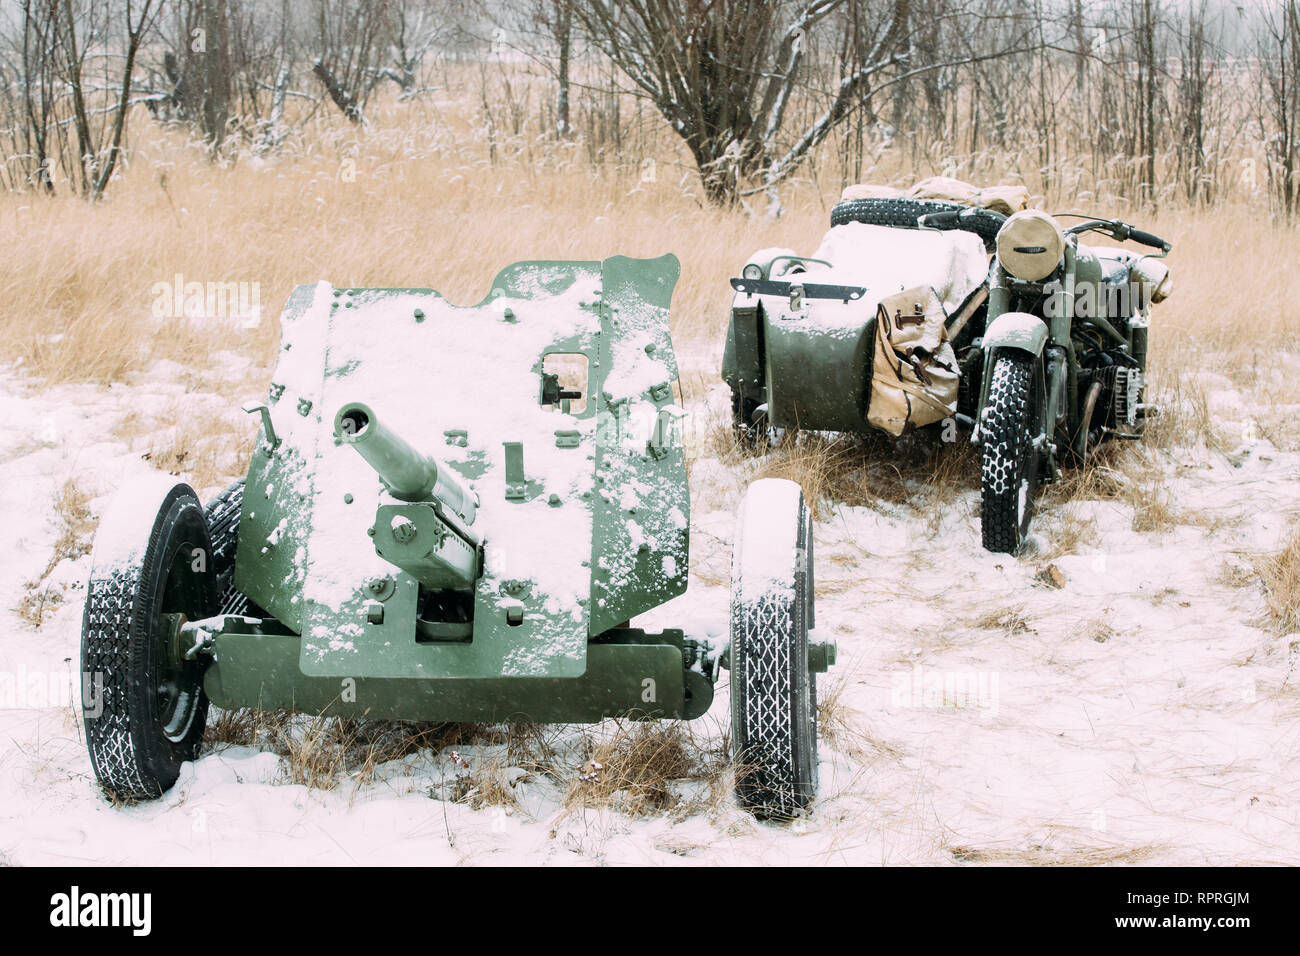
<point>1126,396</point>
<point>1117,405</point>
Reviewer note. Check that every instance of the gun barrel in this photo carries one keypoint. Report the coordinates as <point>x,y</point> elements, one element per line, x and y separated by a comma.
<point>409,474</point>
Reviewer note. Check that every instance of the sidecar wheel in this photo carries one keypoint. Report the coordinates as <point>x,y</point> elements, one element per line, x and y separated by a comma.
<point>750,425</point>
<point>743,426</point>
<point>773,691</point>
<point>144,707</point>
<point>1009,473</point>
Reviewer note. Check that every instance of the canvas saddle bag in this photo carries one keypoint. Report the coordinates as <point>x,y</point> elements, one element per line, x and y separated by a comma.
<point>914,372</point>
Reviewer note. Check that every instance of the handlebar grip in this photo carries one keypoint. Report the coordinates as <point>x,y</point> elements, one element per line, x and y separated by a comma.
<point>1149,239</point>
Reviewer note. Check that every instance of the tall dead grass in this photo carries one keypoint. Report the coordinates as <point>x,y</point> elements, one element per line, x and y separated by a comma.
<point>634,767</point>
<point>421,198</point>
<point>70,509</point>
<point>921,470</point>
<point>396,206</point>
<point>641,766</point>
<point>1279,575</point>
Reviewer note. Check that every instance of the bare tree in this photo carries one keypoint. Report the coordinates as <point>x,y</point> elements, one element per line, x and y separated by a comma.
<point>31,97</point>
<point>1136,97</point>
<point>1279,115</point>
<point>1145,22</point>
<point>545,32</point>
<point>92,57</point>
<point>349,37</point>
<point>725,73</point>
<point>1194,91</point>
<point>415,28</point>
<point>714,73</point>
<point>197,66</point>
<point>563,32</point>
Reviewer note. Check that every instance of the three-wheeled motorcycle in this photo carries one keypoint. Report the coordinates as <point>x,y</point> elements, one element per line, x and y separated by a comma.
<point>914,313</point>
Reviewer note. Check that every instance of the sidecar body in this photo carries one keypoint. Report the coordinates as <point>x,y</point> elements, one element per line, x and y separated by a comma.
<point>876,329</point>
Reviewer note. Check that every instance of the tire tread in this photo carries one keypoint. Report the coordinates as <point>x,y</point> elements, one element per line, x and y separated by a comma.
<point>1004,420</point>
<point>902,214</point>
<point>776,768</point>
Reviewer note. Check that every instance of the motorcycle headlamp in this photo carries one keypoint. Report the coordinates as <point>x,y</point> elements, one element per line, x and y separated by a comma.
<point>1030,245</point>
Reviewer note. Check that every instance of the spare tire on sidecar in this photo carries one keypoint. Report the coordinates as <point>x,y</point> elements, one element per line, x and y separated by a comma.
<point>906,214</point>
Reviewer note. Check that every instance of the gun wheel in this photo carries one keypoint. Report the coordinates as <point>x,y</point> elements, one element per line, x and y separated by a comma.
<point>773,691</point>
<point>222,516</point>
<point>144,707</point>
<point>1009,472</point>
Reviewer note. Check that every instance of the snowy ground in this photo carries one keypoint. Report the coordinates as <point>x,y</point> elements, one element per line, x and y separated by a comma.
<point>1142,712</point>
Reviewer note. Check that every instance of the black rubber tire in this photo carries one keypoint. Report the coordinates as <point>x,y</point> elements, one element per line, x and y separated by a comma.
<point>222,514</point>
<point>903,213</point>
<point>1009,469</point>
<point>145,716</point>
<point>752,430</point>
<point>773,692</point>
<point>970,369</point>
<point>742,420</point>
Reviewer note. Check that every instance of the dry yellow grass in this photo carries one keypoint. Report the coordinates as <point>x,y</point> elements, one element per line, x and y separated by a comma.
<point>1011,619</point>
<point>71,508</point>
<point>1070,533</point>
<point>76,529</point>
<point>416,199</point>
<point>1078,852</point>
<point>322,752</point>
<point>637,769</point>
<point>844,728</point>
<point>400,205</point>
<point>316,756</point>
<point>240,728</point>
<point>921,471</point>
<point>40,599</point>
<point>1279,576</point>
<point>1154,510</point>
<point>203,446</point>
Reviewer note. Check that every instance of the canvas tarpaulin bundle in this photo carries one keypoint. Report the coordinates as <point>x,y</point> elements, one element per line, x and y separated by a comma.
<point>1003,199</point>
<point>914,376</point>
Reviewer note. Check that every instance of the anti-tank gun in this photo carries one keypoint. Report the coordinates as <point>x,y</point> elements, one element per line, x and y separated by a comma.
<point>450,516</point>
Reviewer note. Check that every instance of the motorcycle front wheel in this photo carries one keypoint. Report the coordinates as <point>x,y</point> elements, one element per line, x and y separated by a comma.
<point>1009,472</point>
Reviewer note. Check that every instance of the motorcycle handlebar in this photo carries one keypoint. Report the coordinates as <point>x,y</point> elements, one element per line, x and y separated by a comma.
<point>1122,231</point>
<point>1150,239</point>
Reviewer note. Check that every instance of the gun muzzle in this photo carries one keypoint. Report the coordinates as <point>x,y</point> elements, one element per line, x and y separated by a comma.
<point>409,475</point>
